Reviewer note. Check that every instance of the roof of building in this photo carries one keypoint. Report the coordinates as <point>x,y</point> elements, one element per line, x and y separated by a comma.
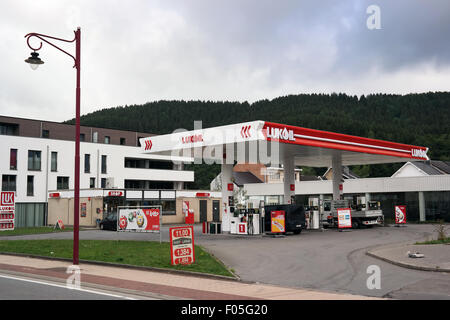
<point>241,178</point>
<point>62,131</point>
<point>433,167</point>
<point>309,178</point>
<point>346,173</point>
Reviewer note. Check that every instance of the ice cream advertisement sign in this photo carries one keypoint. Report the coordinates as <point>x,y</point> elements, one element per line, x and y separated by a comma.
<point>139,219</point>
<point>278,221</point>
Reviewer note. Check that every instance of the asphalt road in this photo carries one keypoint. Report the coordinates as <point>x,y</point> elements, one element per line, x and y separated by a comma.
<point>20,288</point>
<point>329,260</point>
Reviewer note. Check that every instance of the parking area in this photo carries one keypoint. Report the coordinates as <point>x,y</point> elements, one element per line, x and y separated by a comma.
<point>325,260</point>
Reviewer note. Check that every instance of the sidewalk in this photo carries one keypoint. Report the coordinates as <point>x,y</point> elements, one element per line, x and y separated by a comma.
<point>168,286</point>
<point>437,256</point>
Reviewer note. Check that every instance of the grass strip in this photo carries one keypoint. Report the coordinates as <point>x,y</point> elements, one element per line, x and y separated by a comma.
<point>32,230</point>
<point>443,241</point>
<point>136,253</point>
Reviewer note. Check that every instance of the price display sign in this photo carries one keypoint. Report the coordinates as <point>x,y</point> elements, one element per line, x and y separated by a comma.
<point>182,245</point>
<point>344,218</point>
<point>7,211</point>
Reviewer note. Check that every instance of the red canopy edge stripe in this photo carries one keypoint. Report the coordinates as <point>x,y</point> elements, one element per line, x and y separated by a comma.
<point>331,145</point>
<point>343,137</point>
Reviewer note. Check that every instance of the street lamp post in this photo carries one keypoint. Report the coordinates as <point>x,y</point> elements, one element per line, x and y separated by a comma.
<point>34,62</point>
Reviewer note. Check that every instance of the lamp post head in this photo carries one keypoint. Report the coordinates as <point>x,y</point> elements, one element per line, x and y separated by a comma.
<point>34,60</point>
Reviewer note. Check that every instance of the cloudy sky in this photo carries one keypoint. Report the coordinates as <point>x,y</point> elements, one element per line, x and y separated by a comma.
<point>139,51</point>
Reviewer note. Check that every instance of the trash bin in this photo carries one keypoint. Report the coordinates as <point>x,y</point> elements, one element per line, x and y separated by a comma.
<point>212,228</point>
<point>219,227</point>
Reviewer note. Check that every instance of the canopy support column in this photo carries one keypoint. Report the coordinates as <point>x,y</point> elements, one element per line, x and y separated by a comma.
<point>337,176</point>
<point>289,180</point>
<point>227,174</point>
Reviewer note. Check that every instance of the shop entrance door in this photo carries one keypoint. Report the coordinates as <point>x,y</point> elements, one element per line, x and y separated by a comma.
<point>203,211</point>
<point>216,210</point>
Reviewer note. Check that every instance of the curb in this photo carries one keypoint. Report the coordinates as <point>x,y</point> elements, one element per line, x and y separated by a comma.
<point>127,266</point>
<point>406,265</point>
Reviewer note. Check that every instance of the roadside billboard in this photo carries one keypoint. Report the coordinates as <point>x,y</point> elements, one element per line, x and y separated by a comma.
<point>182,245</point>
<point>278,221</point>
<point>7,211</point>
<point>400,214</point>
<point>139,219</point>
<point>344,218</point>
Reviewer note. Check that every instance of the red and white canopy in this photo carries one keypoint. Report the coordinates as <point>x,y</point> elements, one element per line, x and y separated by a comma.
<point>309,147</point>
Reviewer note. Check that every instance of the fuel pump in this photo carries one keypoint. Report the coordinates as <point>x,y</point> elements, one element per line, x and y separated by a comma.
<point>313,204</point>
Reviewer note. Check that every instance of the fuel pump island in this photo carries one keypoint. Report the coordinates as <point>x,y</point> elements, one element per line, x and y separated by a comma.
<point>274,144</point>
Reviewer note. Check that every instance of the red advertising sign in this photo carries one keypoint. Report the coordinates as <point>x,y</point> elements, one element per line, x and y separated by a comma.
<point>400,214</point>
<point>152,216</point>
<point>83,210</point>
<point>59,224</point>
<point>115,193</point>
<point>182,245</point>
<point>7,209</point>
<point>54,195</point>
<point>202,194</point>
<point>242,228</point>
<point>278,221</point>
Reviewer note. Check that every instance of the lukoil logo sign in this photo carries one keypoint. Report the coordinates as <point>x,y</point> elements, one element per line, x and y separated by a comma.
<point>419,153</point>
<point>192,138</point>
<point>282,134</point>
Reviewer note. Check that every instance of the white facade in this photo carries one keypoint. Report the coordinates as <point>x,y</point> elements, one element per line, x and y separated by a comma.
<point>366,185</point>
<point>45,179</point>
<point>409,170</point>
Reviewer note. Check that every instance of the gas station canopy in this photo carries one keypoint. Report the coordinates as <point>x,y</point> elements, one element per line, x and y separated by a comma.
<point>308,147</point>
<point>273,143</point>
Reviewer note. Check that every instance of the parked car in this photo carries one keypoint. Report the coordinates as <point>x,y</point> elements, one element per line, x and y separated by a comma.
<point>109,222</point>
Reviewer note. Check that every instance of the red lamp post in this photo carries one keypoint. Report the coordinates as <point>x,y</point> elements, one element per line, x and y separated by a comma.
<point>34,62</point>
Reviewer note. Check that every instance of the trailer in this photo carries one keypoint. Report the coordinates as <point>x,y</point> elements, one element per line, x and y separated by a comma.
<point>362,213</point>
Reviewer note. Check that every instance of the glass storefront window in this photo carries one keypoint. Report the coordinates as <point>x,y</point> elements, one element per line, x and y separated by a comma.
<point>437,206</point>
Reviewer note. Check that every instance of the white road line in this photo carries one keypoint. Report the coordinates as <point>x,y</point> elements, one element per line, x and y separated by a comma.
<point>66,287</point>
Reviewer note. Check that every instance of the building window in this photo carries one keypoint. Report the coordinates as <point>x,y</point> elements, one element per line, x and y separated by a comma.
<point>87,163</point>
<point>30,186</point>
<point>168,207</point>
<point>13,159</point>
<point>103,183</point>
<point>34,160</point>
<point>148,164</point>
<point>54,161</point>
<point>92,183</point>
<point>107,139</point>
<point>123,141</point>
<point>95,137</point>
<point>62,183</point>
<point>103,164</point>
<point>82,137</point>
<point>45,133</point>
<point>10,129</point>
<point>8,182</point>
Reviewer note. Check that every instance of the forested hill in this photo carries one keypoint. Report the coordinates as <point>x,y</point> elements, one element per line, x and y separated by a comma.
<point>420,119</point>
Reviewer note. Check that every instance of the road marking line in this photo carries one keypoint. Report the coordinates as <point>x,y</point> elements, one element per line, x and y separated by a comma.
<point>66,287</point>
